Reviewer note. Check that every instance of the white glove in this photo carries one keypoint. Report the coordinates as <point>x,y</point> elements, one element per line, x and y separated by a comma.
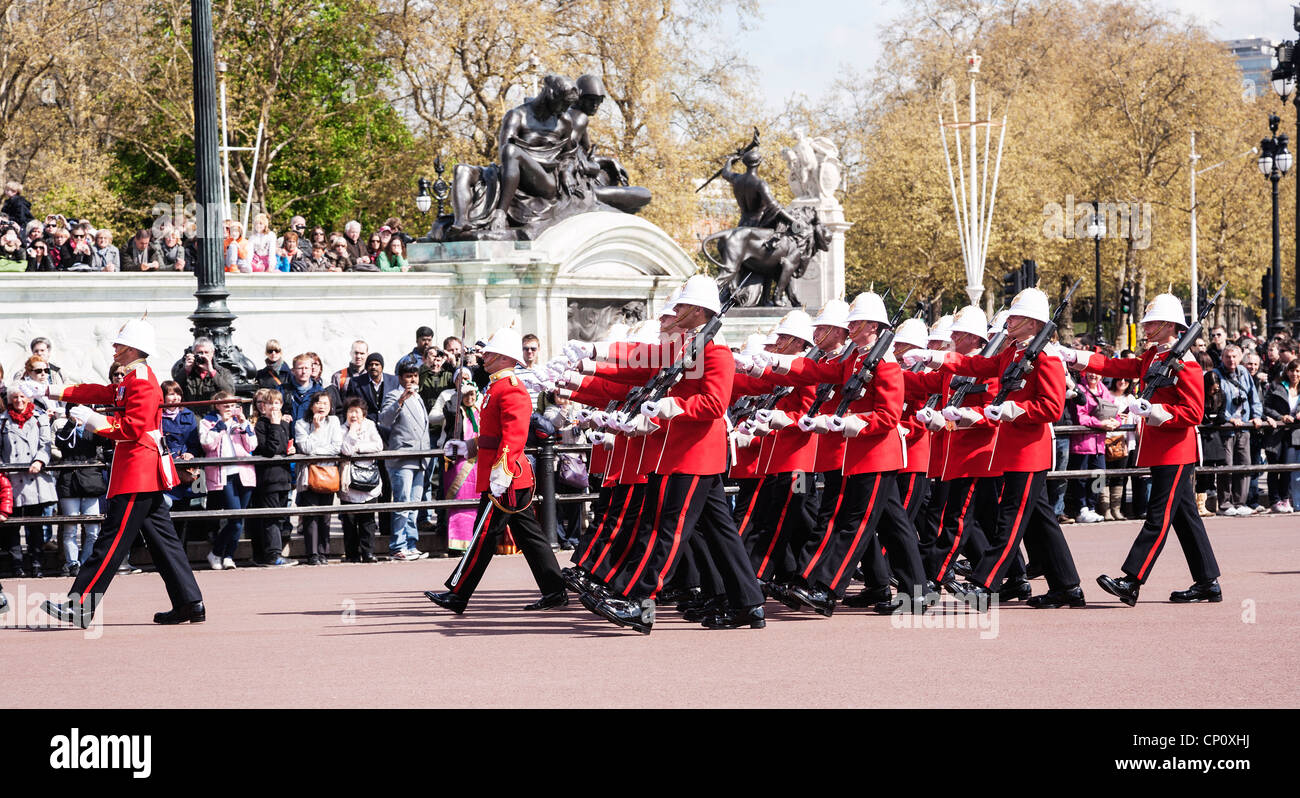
<point>596,438</point>
<point>820,425</point>
<point>1074,357</point>
<point>931,418</point>
<point>666,408</point>
<point>639,426</point>
<point>741,439</point>
<point>742,361</point>
<point>499,481</point>
<point>88,418</point>
<point>952,413</point>
<point>966,417</point>
<point>1007,411</point>
<point>930,357</point>
<point>1154,414</point>
<point>853,426</point>
<point>575,351</point>
<point>779,420</point>
<point>608,440</point>
<point>455,447</point>
<point>780,364</point>
<point>30,388</point>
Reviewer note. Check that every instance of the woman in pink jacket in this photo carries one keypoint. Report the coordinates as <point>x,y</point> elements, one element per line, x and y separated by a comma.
<point>227,433</point>
<point>1096,409</point>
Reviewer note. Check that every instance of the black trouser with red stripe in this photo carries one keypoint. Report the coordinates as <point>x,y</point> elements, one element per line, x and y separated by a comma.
<point>528,536</point>
<point>988,497</point>
<point>828,562</point>
<point>1172,503</point>
<point>912,488</point>
<point>681,505</point>
<point>128,515</point>
<point>928,520</point>
<point>959,521</point>
<point>1026,513</point>
<point>599,509</point>
<point>748,499</point>
<point>620,536</point>
<point>774,542</point>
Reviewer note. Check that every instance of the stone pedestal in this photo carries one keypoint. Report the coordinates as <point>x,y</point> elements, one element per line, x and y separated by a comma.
<point>824,278</point>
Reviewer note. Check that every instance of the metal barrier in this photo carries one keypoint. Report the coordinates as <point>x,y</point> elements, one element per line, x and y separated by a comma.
<point>545,497</point>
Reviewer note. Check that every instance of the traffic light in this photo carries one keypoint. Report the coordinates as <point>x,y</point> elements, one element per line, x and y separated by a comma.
<point>1266,294</point>
<point>1125,300</point>
<point>1028,274</point>
<point>1013,282</point>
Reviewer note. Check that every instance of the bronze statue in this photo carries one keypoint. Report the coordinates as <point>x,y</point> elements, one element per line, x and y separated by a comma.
<point>779,258</point>
<point>547,172</point>
<point>771,241</point>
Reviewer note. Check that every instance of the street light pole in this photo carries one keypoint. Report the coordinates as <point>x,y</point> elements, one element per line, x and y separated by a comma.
<point>1274,162</point>
<point>1097,231</point>
<point>211,318</point>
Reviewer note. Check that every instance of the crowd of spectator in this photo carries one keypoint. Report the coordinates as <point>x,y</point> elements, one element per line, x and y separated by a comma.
<point>62,244</point>
<point>297,408</point>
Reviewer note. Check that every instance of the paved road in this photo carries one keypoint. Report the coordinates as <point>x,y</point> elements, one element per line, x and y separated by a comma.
<point>364,636</point>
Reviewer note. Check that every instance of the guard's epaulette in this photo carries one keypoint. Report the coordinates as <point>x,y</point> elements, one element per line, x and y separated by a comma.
<point>141,372</point>
<point>514,380</point>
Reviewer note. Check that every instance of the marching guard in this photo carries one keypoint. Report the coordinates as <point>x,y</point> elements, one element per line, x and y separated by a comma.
<point>1169,445</point>
<point>506,487</point>
<point>142,471</point>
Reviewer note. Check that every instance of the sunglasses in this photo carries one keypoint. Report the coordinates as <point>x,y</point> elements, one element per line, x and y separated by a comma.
<point>273,351</point>
<point>40,371</point>
<point>530,349</point>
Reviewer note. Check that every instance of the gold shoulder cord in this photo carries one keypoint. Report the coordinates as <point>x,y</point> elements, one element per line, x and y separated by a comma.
<point>505,466</point>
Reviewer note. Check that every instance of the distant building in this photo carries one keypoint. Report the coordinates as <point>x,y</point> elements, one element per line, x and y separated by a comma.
<point>1254,58</point>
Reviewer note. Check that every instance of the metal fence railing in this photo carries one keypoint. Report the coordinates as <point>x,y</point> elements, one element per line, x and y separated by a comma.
<point>545,496</point>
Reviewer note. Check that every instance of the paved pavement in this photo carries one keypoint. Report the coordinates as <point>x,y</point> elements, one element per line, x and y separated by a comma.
<point>364,636</point>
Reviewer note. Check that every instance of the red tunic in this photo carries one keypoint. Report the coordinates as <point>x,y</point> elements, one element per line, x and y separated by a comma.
<point>694,441</point>
<point>918,435</point>
<point>962,451</point>
<point>507,411</point>
<point>138,464</point>
<point>745,466</point>
<point>1174,442</point>
<point>1025,443</point>
<point>789,449</point>
<point>879,447</point>
<point>622,461</point>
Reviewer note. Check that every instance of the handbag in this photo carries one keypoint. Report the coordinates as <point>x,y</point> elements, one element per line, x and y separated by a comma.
<point>363,475</point>
<point>1116,447</point>
<point>573,470</point>
<point>323,477</point>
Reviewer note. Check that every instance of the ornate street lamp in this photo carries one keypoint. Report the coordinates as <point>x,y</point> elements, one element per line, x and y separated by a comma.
<point>1274,162</point>
<point>428,193</point>
<point>1097,231</point>
<point>1284,83</point>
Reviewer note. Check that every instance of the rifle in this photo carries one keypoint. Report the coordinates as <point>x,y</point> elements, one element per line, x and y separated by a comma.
<point>740,153</point>
<point>857,384</point>
<point>1163,372</point>
<point>643,399</point>
<point>765,404</point>
<point>1013,379</point>
<point>962,386</point>
<point>824,392</point>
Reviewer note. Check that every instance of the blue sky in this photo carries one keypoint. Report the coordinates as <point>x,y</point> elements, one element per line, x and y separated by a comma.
<point>801,45</point>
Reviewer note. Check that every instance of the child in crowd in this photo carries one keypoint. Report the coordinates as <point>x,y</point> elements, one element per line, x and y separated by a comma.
<point>274,432</point>
<point>226,433</point>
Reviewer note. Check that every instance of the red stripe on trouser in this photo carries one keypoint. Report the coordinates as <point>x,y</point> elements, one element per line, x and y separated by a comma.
<point>1164,525</point>
<point>677,538</point>
<point>1011,533</point>
<point>911,485</point>
<point>752,501</point>
<point>613,535</point>
<point>631,539</point>
<point>826,533</point>
<point>600,528</point>
<point>956,539</point>
<point>654,533</point>
<point>478,546</point>
<point>776,535</point>
<point>126,519</point>
<point>858,536</point>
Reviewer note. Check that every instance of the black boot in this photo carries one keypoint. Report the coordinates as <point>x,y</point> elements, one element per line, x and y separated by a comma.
<point>1201,591</point>
<point>734,619</point>
<point>1125,588</point>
